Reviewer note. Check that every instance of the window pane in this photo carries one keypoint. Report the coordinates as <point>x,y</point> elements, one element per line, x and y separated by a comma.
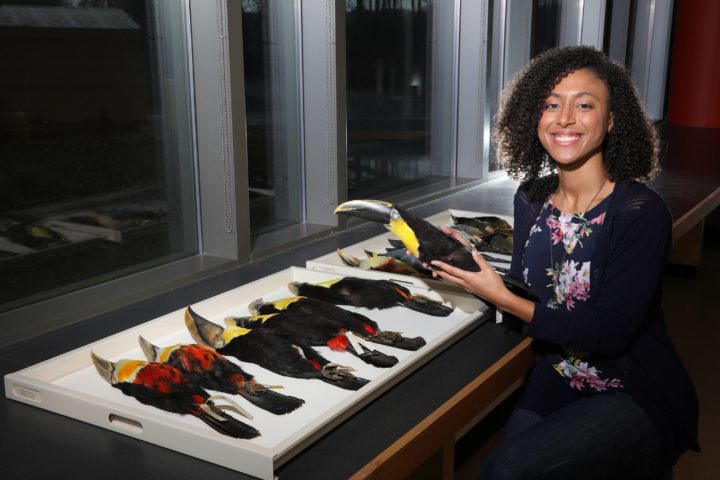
<point>272,110</point>
<point>96,165</point>
<point>545,26</point>
<point>397,130</point>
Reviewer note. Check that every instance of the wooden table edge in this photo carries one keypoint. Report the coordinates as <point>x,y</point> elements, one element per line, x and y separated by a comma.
<point>439,428</point>
<point>695,215</point>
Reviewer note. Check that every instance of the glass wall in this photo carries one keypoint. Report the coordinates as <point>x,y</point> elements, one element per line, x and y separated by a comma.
<point>397,83</point>
<point>96,169</point>
<point>272,106</point>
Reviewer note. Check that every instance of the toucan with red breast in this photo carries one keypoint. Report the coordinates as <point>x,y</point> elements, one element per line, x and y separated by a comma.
<point>211,370</point>
<point>354,322</point>
<point>316,331</point>
<point>167,388</point>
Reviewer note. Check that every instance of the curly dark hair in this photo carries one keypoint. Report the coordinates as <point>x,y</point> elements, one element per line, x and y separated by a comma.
<point>630,149</point>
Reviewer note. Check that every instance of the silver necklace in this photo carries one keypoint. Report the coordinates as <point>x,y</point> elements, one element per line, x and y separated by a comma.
<point>582,216</point>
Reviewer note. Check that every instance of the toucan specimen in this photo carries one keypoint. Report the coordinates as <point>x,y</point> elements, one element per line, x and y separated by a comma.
<point>364,292</point>
<point>423,239</point>
<point>316,331</point>
<point>378,261</point>
<point>419,236</point>
<point>351,321</point>
<point>271,350</point>
<point>209,369</point>
<point>167,388</point>
<point>486,224</point>
<point>399,252</point>
<point>396,247</point>
<point>499,241</point>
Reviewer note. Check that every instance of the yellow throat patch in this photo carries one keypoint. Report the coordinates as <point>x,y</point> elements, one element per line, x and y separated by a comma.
<point>405,234</point>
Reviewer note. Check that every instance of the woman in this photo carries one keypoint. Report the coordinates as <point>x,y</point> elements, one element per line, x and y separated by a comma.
<point>608,396</point>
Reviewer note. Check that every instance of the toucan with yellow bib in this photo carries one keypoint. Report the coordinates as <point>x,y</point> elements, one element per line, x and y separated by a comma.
<point>369,293</point>
<point>420,237</point>
<point>211,370</point>
<point>423,239</point>
<point>271,350</point>
<point>167,388</point>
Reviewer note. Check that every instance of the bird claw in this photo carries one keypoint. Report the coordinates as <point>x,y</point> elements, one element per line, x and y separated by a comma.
<point>386,337</point>
<point>210,410</point>
<point>358,343</point>
<point>217,408</point>
<point>334,371</point>
<point>423,299</point>
<point>255,388</point>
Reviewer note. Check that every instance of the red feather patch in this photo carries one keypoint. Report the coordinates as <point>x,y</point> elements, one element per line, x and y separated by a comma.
<point>159,377</point>
<point>339,343</point>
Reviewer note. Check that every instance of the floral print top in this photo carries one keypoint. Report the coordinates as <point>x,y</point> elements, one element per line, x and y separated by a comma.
<point>557,266</point>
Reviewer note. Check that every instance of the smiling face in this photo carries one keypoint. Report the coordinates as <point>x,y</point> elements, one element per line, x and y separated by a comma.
<point>575,120</point>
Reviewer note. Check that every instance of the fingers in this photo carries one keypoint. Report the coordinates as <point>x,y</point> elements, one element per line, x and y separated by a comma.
<point>443,271</point>
<point>454,271</point>
<point>480,260</point>
<point>455,234</point>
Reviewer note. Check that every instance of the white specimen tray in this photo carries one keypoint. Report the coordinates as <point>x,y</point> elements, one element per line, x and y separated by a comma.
<point>70,385</point>
<point>331,262</point>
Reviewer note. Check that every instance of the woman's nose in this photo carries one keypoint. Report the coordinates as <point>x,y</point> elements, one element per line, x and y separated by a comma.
<point>566,116</point>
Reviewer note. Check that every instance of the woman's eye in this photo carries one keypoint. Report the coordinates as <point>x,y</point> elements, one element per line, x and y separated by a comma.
<point>585,106</point>
<point>551,106</point>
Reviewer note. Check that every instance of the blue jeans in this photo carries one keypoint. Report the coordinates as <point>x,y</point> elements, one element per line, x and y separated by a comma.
<point>603,436</point>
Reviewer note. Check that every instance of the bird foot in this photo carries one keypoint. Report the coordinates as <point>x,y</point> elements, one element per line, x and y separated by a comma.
<point>334,371</point>
<point>386,337</point>
<point>358,343</point>
<point>255,388</point>
<point>214,409</point>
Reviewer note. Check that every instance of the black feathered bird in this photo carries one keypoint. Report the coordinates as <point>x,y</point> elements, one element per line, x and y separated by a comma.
<point>369,293</point>
<point>169,389</point>
<point>271,350</point>
<point>317,331</point>
<point>423,239</point>
<point>341,318</point>
<point>209,369</point>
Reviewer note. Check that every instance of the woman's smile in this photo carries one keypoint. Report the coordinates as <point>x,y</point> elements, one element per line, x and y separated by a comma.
<point>566,139</point>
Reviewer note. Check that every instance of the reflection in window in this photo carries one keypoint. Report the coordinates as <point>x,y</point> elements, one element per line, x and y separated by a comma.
<point>96,174</point>
<point>272,113</point>
<point>391,144</point>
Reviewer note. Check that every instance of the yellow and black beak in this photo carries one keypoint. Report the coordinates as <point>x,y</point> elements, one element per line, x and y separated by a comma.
<point>386,213</point>
<point>151,352</point>
<point>105,368</point>
<point>373,210</point>
<point>204,331</point>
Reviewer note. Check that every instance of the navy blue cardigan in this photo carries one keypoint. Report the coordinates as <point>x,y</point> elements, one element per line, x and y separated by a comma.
<point>624,323</point>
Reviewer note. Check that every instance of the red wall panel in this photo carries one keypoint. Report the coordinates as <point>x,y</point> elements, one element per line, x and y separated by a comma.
<point>694,96</point>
